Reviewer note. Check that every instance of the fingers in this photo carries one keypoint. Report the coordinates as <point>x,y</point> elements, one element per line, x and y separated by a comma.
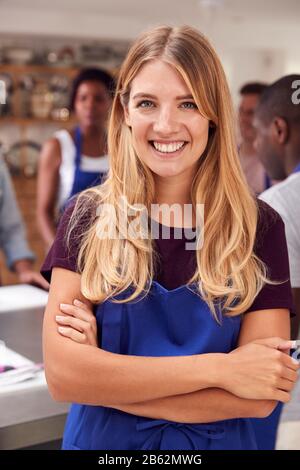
<point>289,374</point>
<point>289,362</point>
<point>78,310</point>
<point>79,318</point>
<point>85,329</point>
<point>276,343</point>
<point>72,334</point>
<point>43,283</point>
<point>293,344</point>
<point>285,385</point>
<point>282,396</point>
<point>82,305</point>
<point>38,279</point>
<point>283,348</point>
<point>79,325</point>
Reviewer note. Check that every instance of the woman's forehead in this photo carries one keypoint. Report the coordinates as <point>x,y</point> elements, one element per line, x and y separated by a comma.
<point>159,78</point>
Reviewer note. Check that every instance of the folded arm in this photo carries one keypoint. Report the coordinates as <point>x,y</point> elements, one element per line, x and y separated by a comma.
<point>204,406</point>
<point>85,374</point>
<point>114,380</point>
<point>214,404</point>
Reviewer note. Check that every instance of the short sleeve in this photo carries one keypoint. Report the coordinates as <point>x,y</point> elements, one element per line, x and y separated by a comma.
<point>271,248</point>
<point>64,253</point>
<point>293,242</point>
<point>286,202</point>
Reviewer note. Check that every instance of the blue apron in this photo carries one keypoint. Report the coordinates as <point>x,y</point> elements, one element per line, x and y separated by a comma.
<point>164,323</point>
<point>83,179</point>
<point>297,169</point>
<point>266,428</point>
<point>268,182</point>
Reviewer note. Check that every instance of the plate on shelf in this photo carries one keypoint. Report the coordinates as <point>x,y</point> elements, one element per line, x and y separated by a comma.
<point>22,157</point>
<point>18,55</point>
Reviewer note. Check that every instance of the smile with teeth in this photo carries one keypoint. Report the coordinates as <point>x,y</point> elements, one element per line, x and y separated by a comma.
<point>168,148</point>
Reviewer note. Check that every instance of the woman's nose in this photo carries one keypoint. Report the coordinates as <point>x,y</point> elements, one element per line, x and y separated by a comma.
<point>165,122</point>
<point>90,103</point>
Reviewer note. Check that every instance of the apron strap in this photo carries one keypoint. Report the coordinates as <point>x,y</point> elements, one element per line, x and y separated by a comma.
<point>78,145</point>
<point>268,182</point>
<point>297,168</point>
<point>158,426</point>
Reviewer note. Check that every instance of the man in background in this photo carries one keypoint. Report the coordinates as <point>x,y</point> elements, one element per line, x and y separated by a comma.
<point>277,124</point>
<point>277,143</point>
<point>253,169</point>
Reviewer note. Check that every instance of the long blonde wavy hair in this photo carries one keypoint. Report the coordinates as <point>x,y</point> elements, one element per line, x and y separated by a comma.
<point>228,270</point>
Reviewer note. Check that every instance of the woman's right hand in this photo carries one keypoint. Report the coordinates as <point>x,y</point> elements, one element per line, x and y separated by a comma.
<point>261,370</point>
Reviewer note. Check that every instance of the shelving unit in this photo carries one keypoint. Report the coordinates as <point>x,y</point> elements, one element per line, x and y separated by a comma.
<point>16,72</point>
<point>24,125</point>
<point>42,72</point>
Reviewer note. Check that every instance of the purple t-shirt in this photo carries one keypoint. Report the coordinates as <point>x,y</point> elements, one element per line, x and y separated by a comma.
<point>176,264</point>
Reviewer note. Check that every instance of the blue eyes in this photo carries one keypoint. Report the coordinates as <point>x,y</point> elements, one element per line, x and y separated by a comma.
<point>193,105</point>
<point>140,105</point>
<point>149,104</point>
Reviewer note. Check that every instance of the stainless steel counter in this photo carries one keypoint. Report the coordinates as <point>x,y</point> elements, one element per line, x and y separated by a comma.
<point>28,417</point>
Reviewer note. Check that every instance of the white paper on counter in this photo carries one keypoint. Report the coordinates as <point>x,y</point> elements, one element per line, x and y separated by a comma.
<point>26,371</point>
<point>20,297</point>
<point>29,381</point>
<point>8,357</point>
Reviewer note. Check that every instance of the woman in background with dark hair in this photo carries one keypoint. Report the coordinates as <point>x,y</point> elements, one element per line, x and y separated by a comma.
<point>74,160</point>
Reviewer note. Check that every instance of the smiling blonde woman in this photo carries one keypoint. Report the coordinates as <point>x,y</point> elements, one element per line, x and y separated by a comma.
<point>185,355</point>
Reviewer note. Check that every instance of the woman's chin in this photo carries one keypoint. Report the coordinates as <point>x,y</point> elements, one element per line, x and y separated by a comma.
<point>167,172</point>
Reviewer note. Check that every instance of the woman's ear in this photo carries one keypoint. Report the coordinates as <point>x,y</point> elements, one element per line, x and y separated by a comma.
<point>124,99</point>
<point>126,115</point>
<point>211,128</point>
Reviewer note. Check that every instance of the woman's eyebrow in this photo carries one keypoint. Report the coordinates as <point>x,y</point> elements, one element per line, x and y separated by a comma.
<point>149,95</point>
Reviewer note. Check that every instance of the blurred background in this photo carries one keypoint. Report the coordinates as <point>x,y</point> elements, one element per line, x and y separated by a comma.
<point>43,45</point>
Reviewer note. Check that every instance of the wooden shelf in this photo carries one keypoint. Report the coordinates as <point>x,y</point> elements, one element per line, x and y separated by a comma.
<point>17,121</point>
<point>26,187</point>
<point>45,69</point>
<point>16,71</point>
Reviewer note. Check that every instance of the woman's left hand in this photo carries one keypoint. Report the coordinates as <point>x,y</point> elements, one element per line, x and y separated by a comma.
<point>78,323</point>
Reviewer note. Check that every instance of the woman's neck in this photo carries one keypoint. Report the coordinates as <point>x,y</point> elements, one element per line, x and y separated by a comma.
<point>93,141</point>
<point>174,192</point>
<point>91,132</point>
